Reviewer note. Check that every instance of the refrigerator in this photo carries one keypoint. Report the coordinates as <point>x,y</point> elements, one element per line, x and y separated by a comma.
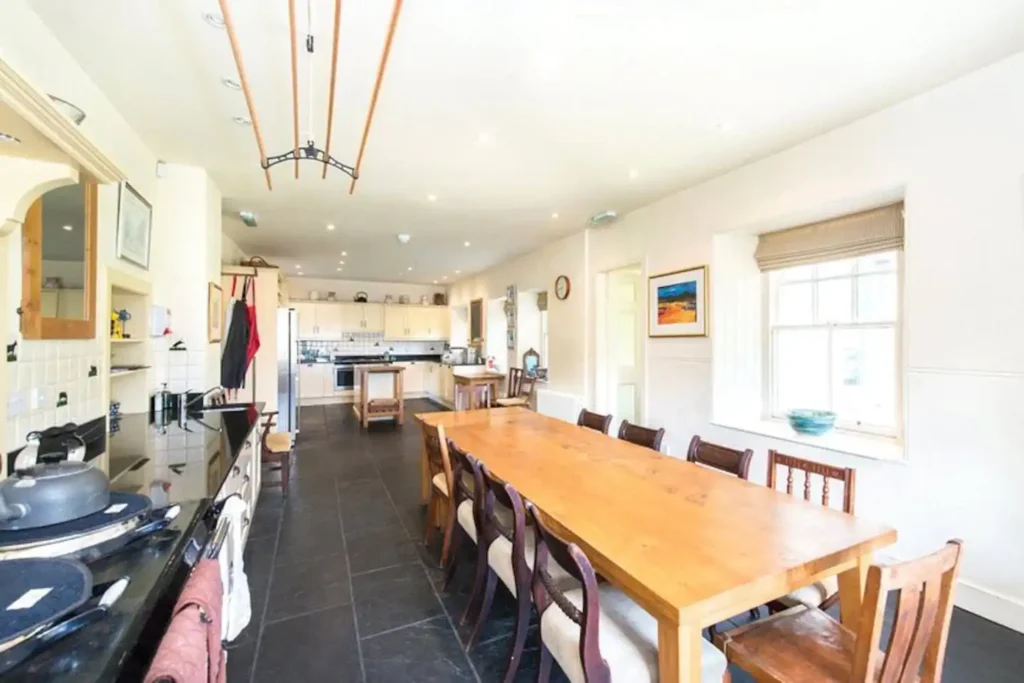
<point>288,370</point>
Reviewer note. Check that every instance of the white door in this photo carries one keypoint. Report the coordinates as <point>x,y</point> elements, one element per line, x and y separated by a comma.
<point>624,335</point>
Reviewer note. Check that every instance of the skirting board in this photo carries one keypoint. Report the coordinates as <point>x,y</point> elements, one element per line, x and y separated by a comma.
<point>1002,609</point>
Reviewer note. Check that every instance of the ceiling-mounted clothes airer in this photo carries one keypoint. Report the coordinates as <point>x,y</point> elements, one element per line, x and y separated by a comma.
<point>310,152</point>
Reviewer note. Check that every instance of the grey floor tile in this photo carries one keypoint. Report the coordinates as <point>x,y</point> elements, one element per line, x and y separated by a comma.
<point>390,598</point>
<point>307,541</point>
<point>312,648</point>
<point>427,652</point>
<point>379,548</point>
<point>240,662</point>
<point>491,660</point>
<point>307,586</point>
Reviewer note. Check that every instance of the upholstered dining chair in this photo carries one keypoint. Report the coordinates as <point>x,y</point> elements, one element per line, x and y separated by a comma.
<point>721,458</point>
<point>595,421</point>
<point>440,510</point>
<point>825,593</point>
<point>804,643</point>
<point>277,452</point>
<point>465,508</point>
<point>595,632</point>
<point>641,436</point>
<point>520,388</point>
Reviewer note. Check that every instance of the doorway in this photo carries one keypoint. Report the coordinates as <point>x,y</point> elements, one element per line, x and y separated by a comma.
<point>620,343</point>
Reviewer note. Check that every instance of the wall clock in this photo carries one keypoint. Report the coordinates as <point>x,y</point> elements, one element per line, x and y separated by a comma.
<point>562,287</point>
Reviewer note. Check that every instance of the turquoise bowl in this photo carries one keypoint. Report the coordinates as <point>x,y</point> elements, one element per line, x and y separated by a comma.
<point>814,422</point>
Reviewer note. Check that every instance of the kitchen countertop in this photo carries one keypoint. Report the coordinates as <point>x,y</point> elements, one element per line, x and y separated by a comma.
<point>184,465</point>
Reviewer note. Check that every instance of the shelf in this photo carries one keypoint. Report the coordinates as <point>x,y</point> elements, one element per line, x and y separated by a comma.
<point>122,373</point>
<point>127,341</point>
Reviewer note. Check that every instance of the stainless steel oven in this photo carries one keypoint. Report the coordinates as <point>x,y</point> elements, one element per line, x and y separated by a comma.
<point>344,376</point>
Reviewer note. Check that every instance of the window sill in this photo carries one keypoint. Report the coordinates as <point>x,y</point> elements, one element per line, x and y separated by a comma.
<point>849,443</point>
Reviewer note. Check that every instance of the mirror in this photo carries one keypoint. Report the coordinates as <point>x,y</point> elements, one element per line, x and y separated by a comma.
<point>476,320</point>
<point>59,264</point>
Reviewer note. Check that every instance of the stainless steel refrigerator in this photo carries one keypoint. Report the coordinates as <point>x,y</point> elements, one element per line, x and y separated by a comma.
<point>288,370</point>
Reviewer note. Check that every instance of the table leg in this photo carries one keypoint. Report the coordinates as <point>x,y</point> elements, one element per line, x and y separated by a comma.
<point>851,592</point>
<point>424,476</point>
<point>678,652</point>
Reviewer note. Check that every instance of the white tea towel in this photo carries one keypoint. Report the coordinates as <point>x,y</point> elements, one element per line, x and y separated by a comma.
<point>237,607</point>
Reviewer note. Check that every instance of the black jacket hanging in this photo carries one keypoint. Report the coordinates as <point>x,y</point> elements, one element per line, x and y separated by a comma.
<point>233,361</point>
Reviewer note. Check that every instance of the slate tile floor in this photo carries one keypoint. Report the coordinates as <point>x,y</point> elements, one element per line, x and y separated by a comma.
<point>343,589</point>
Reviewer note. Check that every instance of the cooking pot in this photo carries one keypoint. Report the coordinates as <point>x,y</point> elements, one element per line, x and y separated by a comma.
<point>44,493</point>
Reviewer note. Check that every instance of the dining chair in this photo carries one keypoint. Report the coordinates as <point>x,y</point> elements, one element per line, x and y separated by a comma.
<point>594,631</point>
<point>595,421</point>
<point>641,436</point>
<point>506,546</point>
<point>472,396</point>
<point>824,593</point>
<point>721,458</point>
<point>465,508</point>
<point>440,511</point>
<point>277,452</point>
<point>520,388</point>
<point>806,644</point>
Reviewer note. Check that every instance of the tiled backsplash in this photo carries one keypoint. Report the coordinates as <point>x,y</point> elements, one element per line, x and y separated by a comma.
<point>181,370</point>
<point>369,343</point>
<point>36,381</point>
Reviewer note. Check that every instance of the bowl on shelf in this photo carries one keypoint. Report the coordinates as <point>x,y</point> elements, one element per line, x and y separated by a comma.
<point>814,422</point>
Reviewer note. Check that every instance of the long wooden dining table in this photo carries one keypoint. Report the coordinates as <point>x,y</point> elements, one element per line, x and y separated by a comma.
<point>691,545</point>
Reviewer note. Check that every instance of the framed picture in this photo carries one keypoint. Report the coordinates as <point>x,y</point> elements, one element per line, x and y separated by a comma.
<point>677,303</point>
<point>134,226</point>
<point>214,306</point>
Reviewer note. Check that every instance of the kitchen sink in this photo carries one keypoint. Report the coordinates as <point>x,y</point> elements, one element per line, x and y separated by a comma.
<point>223,408</point>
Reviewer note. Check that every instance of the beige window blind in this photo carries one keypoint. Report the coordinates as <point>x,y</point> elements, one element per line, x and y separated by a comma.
<point>857,234</point>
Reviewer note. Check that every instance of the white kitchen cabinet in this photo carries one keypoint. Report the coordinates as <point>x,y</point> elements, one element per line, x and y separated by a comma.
<point>319,320</point>
<point>307,319</point>
<point>316,380</point>
<point>412,378</point>
<point>448,383</point>
<point>432,383</point>
<point>359,317</point>
<point>415,322</point>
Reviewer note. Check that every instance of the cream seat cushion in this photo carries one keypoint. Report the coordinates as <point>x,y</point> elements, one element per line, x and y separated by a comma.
<point>442,486</point>
<point>279,442</point>
<point>812,595</point>
<point>464,515</point>
<point>499,556</point>
<point>627,636</point>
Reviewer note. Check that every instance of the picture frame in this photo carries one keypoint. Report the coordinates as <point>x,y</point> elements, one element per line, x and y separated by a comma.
<point>134,226</point>
<point>214,306</point>
<point>677,303</point>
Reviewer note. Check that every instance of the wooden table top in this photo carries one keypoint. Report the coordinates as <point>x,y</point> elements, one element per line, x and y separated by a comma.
<point>377,369</point>
<point>478,374</point>
<point>684,540</point>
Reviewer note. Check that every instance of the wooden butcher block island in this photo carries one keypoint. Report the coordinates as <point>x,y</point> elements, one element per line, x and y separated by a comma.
<point>379,398</point>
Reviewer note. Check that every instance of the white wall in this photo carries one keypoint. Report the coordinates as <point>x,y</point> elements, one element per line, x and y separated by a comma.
<point>300,287</point>
<point>955,155</point>
<point>231,253</point>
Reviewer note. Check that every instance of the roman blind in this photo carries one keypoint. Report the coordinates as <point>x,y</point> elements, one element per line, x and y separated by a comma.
<point>857,234</point>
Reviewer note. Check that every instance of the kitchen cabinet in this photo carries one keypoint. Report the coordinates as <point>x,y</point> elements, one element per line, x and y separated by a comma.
<point>447,383</point>
<point>416,322</point>
<point>319,320</point>
<point>307,319</point>
<point>316,380</point>
<point>431,378</point>
<point>359,317</point>
<point>412,379</point>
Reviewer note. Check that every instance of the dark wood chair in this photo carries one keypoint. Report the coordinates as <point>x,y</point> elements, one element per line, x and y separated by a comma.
<point>641,436</point>
<point>721,458</point>
<point>595,421</point>
<point>465,507</point>
<point>821,594</point>
<point>440,510</point>
<point>593,630</point>
<point>520,389</point>
<point>277,452</point>
<point>806,644</point>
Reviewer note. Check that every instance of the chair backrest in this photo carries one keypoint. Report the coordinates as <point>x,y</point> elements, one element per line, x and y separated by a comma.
<point>546,592</point>
<point>847,475</point>
<point>531,362</point>
<point>595,421</point>
<point>641,436</point>
<point>917,642</point>
<point>460,467</point>
<point>436,447</point>
<point>477,395</point>
<point>720,457</point>
<point>491,526</point>
<point>520,383</point>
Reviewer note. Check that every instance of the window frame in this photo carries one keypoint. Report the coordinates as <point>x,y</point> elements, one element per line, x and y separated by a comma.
<point>770,408</point>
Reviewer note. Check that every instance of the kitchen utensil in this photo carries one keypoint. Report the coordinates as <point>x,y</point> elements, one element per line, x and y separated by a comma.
<point>361,297</point>
<point>314,295</point>
<point>39,494</point>
<point>388,298</point>
<point>403,299</point>
<point>425,300</point>
<point>332,296</point>
<point>439,299</point>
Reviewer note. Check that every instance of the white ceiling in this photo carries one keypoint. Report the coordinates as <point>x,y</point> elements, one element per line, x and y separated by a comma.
<point>571,94</point>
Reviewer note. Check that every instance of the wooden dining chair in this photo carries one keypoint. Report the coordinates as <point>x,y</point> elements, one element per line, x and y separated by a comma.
<point>595,632</point>
<point>520,388</point>
<point>806,644</point>
<point>595,421</point>
<point>721,458</point>
<point>465,507</point>
<point>440,510</point>
<point>641,436</point>
<point>277,452</point>
<point>472,396</point>
<point>824,593</point>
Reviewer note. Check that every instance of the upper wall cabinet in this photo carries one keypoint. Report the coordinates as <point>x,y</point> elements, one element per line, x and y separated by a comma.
<point>416,322</point>
<point>58,293</point>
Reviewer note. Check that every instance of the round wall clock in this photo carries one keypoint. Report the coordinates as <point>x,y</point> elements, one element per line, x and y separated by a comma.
<point>562,287</point>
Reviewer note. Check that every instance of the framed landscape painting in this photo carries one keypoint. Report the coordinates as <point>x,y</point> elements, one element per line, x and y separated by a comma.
<point>134,226</point>
<point>677,303</point>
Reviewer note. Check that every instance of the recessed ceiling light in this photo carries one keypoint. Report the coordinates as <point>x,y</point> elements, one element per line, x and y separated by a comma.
<point>330,226</point>
<point>344,253</point>
<point>465,244</point>
<point>404,237</point>
<point>338,269</point>
<point>301,273</point>
<point>484,138</point>
<point>554,215</point>
<point>230,83</point>
<point>69,228</point>
<point>431,197</point>
<point>633,174</point>
<point>435,282</point>
<point>213,19</point>
<point>298,266</point>
<point>242,120</point>
<point>409,268</point>
<point>457,272</point>
<point>445,277</point>
<point>8,138</point>
<point>341,263</point>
